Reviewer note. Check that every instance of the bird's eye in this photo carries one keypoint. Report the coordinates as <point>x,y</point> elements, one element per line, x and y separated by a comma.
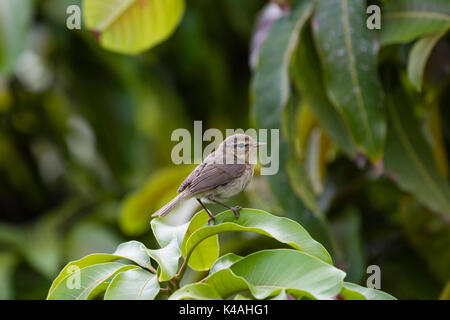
<point>240,145</point>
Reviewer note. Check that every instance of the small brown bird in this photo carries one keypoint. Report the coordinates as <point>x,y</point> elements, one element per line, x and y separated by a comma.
<point>223,174</point>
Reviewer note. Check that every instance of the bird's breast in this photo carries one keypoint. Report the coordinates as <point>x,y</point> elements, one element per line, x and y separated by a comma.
<point>236,185</point>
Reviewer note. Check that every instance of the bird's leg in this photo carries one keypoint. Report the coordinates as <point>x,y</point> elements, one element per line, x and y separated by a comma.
<point>234,209</point>
<point>211,217</point>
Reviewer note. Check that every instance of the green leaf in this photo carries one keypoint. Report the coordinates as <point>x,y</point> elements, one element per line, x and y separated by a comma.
<point>352,291</point>
<point>301,184</point>
<point>314,151</point>
<point>244,297</point>
<point>206,252</point>
<point>307,75</point>
<point>204,255</point>
<point>266,273</point>
<point>134,284</point>
<point>289,269</point>
<point>319,153</point>
<point>198,291</point>
<point>405,20</point>
<point>167,258</point>
<point>409,159</point>
<point>137,208</point>
<point>348,53</point>
<point>89,260</point>
<point>418,58</point>
<point>165,233</point>
<point>305,120</point>
<point>270,92</point>
<point>92,282</point>
<point>224,262</point>
<point>132,250</point>
<point>281,296</point>
<point>270,84</point>
<point>226,284</point>
<point>171,239</point>
<point>258,221</point>
<point>132,26</point>
<point>295,169</point>
<point>15,23</point>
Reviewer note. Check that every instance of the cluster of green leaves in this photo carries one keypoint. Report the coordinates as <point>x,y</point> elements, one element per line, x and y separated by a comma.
<point>363,163</point>
<point>338,89</point>
<point>304,271</point>
<point>76,151</point>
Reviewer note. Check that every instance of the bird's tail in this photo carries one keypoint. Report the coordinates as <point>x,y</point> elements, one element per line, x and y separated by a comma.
<point>170,206</point>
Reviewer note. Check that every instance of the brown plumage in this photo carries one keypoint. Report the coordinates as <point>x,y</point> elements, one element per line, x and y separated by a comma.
<point>223,174</point>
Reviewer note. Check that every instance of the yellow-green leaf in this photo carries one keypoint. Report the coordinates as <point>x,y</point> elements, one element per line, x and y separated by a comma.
<point>138,207</point>
<point>206,252</point>
<point>306,123</point>
<point>132,26</point>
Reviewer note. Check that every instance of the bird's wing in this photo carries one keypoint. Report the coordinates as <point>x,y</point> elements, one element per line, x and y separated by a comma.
<point>191,177</point>
<point>187,182</point>
<point>213,175</point>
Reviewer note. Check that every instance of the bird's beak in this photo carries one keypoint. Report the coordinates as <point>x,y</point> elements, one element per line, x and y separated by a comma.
<point>260,144</point>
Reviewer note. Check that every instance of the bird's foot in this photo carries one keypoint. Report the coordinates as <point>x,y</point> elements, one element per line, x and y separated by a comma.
<point>236,211</point>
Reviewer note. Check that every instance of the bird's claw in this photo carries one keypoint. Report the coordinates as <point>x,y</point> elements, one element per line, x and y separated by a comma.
<point>236,211</point>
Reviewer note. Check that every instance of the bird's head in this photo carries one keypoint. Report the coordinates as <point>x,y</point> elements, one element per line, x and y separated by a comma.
<point>241,147</point>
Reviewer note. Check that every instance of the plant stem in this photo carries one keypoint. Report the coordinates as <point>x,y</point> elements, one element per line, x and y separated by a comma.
<point>174,283</point>
<point>171,286</point>
<point>180,273</point>
<point>151,269</point>
<point>165,289</point>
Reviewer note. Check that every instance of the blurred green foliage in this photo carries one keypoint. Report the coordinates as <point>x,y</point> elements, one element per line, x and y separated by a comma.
<point>85,140</point>
<point>97,127</point>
